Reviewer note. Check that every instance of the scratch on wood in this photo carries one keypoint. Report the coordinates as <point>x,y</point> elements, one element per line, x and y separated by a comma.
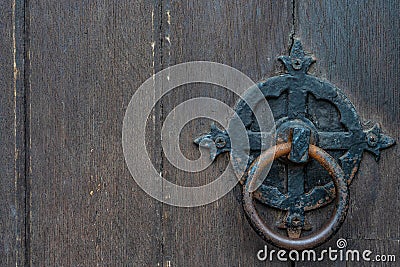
<point>169,17</point>
<point>16,152</point>
<point>153,43</point>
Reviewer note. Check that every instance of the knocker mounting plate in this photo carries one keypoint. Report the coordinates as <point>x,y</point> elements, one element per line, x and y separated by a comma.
<point>316,125</point>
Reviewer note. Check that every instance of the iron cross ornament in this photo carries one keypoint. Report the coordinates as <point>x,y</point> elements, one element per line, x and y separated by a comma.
<point>317,129</point>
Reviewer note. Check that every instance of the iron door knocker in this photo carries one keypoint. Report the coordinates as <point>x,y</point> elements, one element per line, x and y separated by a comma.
<point>312,117</point>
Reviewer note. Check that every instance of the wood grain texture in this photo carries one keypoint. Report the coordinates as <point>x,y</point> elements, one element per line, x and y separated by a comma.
<point>248,36</point>
<point>357,46</point>
<point>68,73</point>
<point>12,135</point>
<point>88,58</point>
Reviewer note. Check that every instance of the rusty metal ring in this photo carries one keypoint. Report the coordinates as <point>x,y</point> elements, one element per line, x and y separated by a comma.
<point>316,238</point>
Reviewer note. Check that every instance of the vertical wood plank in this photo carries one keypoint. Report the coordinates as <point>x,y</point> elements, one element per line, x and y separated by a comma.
<point>88,58</point>
<point>248,36</point>
<point>12,135</point>
<point>357,46</point>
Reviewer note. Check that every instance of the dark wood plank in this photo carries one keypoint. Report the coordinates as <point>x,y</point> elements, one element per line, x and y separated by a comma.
<point>248,36</point>
<point>357,46</point>
<point>12,135</point>
<point>88,58</point>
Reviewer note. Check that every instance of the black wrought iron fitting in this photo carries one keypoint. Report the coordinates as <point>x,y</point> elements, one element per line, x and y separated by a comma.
<point>312,117</point>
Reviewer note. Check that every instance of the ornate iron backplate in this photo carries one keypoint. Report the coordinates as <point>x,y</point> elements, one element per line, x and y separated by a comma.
<point>307,110</point>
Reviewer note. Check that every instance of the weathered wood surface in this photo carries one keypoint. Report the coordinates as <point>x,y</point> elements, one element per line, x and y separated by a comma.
<point>88,58</point>
<point>12,135</point>
<point>64,180</point>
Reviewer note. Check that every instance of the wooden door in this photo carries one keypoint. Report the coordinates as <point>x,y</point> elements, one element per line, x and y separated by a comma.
<point>68,72</point>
